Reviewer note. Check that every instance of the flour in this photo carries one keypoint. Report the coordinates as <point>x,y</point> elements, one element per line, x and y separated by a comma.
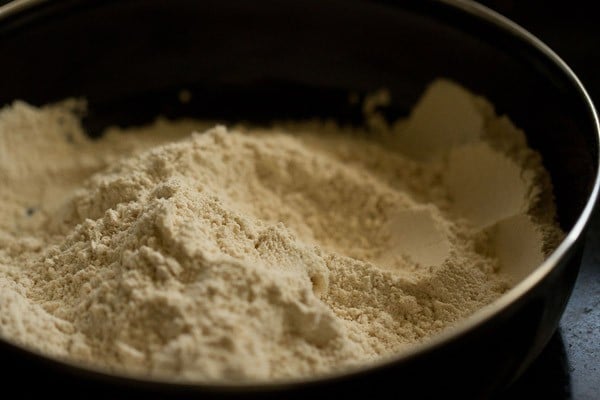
<point>259,254</point>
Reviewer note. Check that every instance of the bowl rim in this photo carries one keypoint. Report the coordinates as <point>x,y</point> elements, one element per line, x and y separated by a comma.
<point>450,334</point>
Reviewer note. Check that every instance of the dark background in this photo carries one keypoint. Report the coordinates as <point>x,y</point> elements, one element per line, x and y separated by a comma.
<point>569,368</point>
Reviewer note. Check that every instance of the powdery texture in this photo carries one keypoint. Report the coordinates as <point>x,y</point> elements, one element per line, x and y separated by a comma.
<point>244,254</point>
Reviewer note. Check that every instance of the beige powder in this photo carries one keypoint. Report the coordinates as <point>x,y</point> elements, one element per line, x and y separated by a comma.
<point>257,254</point>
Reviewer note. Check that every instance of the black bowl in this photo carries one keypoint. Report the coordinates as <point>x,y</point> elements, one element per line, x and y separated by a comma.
<point>263,60</point>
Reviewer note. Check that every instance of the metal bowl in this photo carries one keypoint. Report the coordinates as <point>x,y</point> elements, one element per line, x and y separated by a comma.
<point>261,60</point>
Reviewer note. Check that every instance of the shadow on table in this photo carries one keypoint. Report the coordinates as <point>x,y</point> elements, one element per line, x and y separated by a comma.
<point>547,378</point>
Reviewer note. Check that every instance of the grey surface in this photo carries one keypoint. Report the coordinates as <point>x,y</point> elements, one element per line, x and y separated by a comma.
<point>580,325</point>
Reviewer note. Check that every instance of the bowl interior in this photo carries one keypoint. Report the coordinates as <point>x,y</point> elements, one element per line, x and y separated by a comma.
<point>259,61</point>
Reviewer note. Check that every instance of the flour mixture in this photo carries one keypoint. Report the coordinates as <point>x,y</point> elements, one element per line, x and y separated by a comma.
<point>257,254</point>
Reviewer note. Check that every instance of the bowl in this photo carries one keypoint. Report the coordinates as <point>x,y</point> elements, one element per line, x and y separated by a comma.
<point>263,60</point>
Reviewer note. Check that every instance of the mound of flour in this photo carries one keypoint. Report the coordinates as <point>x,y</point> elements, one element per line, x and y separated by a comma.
<point>255,254</point>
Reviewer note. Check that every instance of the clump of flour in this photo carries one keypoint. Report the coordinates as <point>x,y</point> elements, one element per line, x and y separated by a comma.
<point>256,254</point>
